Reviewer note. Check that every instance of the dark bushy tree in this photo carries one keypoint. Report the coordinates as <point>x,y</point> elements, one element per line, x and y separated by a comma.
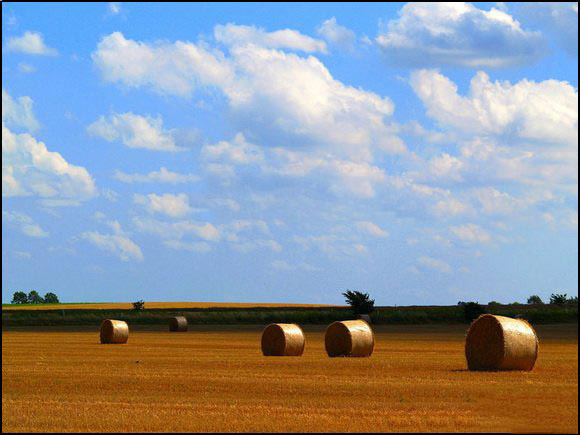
<point>139,305</point>
<point>472,310</point>
<point>34,298</point>
<point>558,299</point>
<point>361,303</point>
<point>51,298</point>
<point>19,298</point>
<point>535,299</point>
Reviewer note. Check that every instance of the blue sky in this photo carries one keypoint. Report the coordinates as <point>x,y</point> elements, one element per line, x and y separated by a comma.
<point>424,153</point>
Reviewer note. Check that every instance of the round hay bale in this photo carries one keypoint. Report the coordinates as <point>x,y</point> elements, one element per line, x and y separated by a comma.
<point>501,343</point>
<point>349,338</point>
<point>283,339</point>
<point>178,324</point>
<point>114,331</point>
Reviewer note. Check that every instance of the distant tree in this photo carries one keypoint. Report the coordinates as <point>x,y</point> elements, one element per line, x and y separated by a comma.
<point>34,298</point>
<point>573,300</point>
<point>461,303</point>
<point>472,310</point>
<point>535,299</point>
<point>558,299</point>
<point>139,305</point>
<point>19,298</point>
<point>51,298</point>
<point>361,303</point>
<point>493,304</point>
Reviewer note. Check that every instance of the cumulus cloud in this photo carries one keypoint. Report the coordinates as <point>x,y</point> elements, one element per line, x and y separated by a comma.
<point>233,34</point>
<point>167,204</point>
<point>558,18</point>
<point>18,113</point>
<point>177,230</point>
<point>336,34</point>
<point>237,151</point>
<point>135,131</point>
<point>30,169</point>
<point>117,244</point>
<point>30,43</point>
<point>471,233</point>
<point>174,69</point>
<point>25,223</point>
<point>370,228</point>
<point>542,111</point>
<point>162,176</point>
<point>434,264</point>
<point>114,8</point>
<point>458,33</point>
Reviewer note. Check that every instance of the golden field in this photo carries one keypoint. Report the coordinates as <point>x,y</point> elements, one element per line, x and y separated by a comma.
<point>157,305</point>
<point>216,379</point>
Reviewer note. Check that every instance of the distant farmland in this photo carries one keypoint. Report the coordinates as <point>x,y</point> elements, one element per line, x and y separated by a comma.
<point>198,313</point>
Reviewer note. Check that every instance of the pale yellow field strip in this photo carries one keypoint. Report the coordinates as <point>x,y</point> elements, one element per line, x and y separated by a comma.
<point>167,305</point>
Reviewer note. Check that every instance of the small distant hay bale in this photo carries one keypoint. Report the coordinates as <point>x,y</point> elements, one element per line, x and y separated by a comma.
<point>365,317</point>
<point>353,338</point>
<point>501,343</point>
<point>178,324</point>
<point>283,339</point>
<point>114,331</point>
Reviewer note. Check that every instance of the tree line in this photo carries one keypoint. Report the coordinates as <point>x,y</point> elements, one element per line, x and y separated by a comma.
<point>33,297</point>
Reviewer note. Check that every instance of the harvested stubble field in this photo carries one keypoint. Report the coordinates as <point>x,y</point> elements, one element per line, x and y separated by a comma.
<point>216,379</point>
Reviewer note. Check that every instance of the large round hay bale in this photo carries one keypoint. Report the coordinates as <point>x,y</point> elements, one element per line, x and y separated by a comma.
<point>349,338</point>
<point>114,331</point>
<point>283,339</point>
<point>178,324</point>
<point>501,343</point>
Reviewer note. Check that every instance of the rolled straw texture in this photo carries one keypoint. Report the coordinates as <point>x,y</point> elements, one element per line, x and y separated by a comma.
<point>501,343</point>
<point>114,331</point>
<point>283,339</point>
<point>178,324</point>
<point>353,338</point>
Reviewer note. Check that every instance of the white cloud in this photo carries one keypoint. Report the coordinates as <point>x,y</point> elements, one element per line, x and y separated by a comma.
<point>371,228</point>
<point>435,264</point>
<point>135,131</point>
<point>25,223</point>
<point>471,233</point>
<point>26,68</point>
<point>559,18</point>
<point>451,207</point>
<point>114,8</point>
<point>232,34</point>
<point>542,111</point>
<point>458,33</point>
<point>30,43</point>
<point>18,113</point>
<point>29,169</point>
<point>162,176</point>
<point>336,34</point>
<point>177,230</point>
<point>173,69</point>
<point>237,151</point>
<point>168,204</point>
<point>118,244</point>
